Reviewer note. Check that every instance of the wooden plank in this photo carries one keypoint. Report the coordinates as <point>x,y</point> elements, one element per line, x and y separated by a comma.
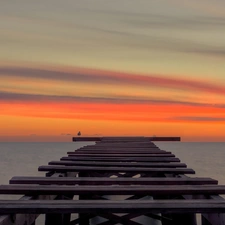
<point>118,151</point>
<point>124,164</point>
<point>120,147</point>
<point>126,144</point>
<point>118,155</point>
<point>164,138</point>
<point>113,190</point>
<point>122,159</point>
<point>111,181</point>
<point>103,206</point>
<point>104,139</point>
<point>115,169</point>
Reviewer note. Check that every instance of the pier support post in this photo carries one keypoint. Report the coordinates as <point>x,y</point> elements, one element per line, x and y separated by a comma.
<point>214,218</point>
<point>83,217</point>
<point>178,219</point>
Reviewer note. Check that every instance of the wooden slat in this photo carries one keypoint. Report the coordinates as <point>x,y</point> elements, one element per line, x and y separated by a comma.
<point>121,147</point>
<point>123,164</point>
<point>104,139</point>
<point>118,151</point>
<point>115,169</point>
<point>101,206</point>
<point>118,155</point>
<point>113,190</point>
<point>136,143</point>
<point>123,159</point>
<point>111,181</point>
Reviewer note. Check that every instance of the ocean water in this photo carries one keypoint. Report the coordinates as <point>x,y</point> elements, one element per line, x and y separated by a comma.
<point>206,158</point>
<point>23,159</point>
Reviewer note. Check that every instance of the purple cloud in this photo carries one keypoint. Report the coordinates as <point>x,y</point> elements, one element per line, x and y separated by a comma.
<point>116,78</point>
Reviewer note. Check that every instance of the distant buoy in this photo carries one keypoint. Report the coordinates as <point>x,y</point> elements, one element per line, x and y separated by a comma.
<point>79,133</point>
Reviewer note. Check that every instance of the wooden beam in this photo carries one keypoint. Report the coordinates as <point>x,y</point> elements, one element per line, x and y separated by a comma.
<point>119,155</point>
<point>122,159</point>
<point>63,169</point>
<point>126,138</point>
<point>112,190</point>
<point>111,181</point>
<point>123,164</point>
<point>118,151</point>
<point>103,206</point>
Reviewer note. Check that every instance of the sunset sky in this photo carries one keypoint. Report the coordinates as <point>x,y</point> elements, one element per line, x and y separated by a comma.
<point>121,67</point>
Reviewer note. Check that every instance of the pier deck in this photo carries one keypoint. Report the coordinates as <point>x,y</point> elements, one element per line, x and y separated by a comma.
<point>118,180</point>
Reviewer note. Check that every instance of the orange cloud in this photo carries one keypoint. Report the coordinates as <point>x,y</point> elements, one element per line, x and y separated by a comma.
<point>110,111</point>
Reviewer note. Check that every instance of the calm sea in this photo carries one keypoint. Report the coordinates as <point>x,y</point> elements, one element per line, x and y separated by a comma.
<point>23,159</point>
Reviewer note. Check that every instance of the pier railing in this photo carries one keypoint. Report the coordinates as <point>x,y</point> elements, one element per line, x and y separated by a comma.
<point>124,180</point>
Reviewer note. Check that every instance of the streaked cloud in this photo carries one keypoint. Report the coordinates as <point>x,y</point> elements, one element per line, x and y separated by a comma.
<point>17,97</point>
<point>116,78</point>
<point>200,119</point>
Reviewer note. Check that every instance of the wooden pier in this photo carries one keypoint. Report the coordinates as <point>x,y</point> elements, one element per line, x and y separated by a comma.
<point>118,180</point>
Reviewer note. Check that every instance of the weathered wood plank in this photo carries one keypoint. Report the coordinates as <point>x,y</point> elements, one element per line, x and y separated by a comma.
<point>123,164</point>
<point>117,151</point>
<point>104,139</point>
<point>120,147</point>
<point>118,155</point>
<point>115,169</point>
<point>111,181</point>
<point>113,190</point>
<point>103,206</point>
<point>122,159</point>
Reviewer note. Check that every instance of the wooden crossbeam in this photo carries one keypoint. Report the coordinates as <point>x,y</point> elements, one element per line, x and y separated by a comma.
<point>109,152</point>
<point>124,139</point>
<point>119,155</point>
<point>122,159</point>
<point>111,181</point>
<point>103,206</point>
<point>118,151</point>
<point>123,164</point>
<point>59,168</point>
<point>113,190</point>
<point>121,147</point>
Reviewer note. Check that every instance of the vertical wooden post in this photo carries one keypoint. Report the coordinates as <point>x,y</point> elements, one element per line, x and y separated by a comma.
<point>205,221</point>
<point>83,217</point>
<point>180,219</point>
<point>54,219</point>
<point>57,218</point>
<point>214,218</point>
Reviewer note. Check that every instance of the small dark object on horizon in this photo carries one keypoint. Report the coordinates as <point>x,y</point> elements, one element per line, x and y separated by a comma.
<point>79,133</point>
